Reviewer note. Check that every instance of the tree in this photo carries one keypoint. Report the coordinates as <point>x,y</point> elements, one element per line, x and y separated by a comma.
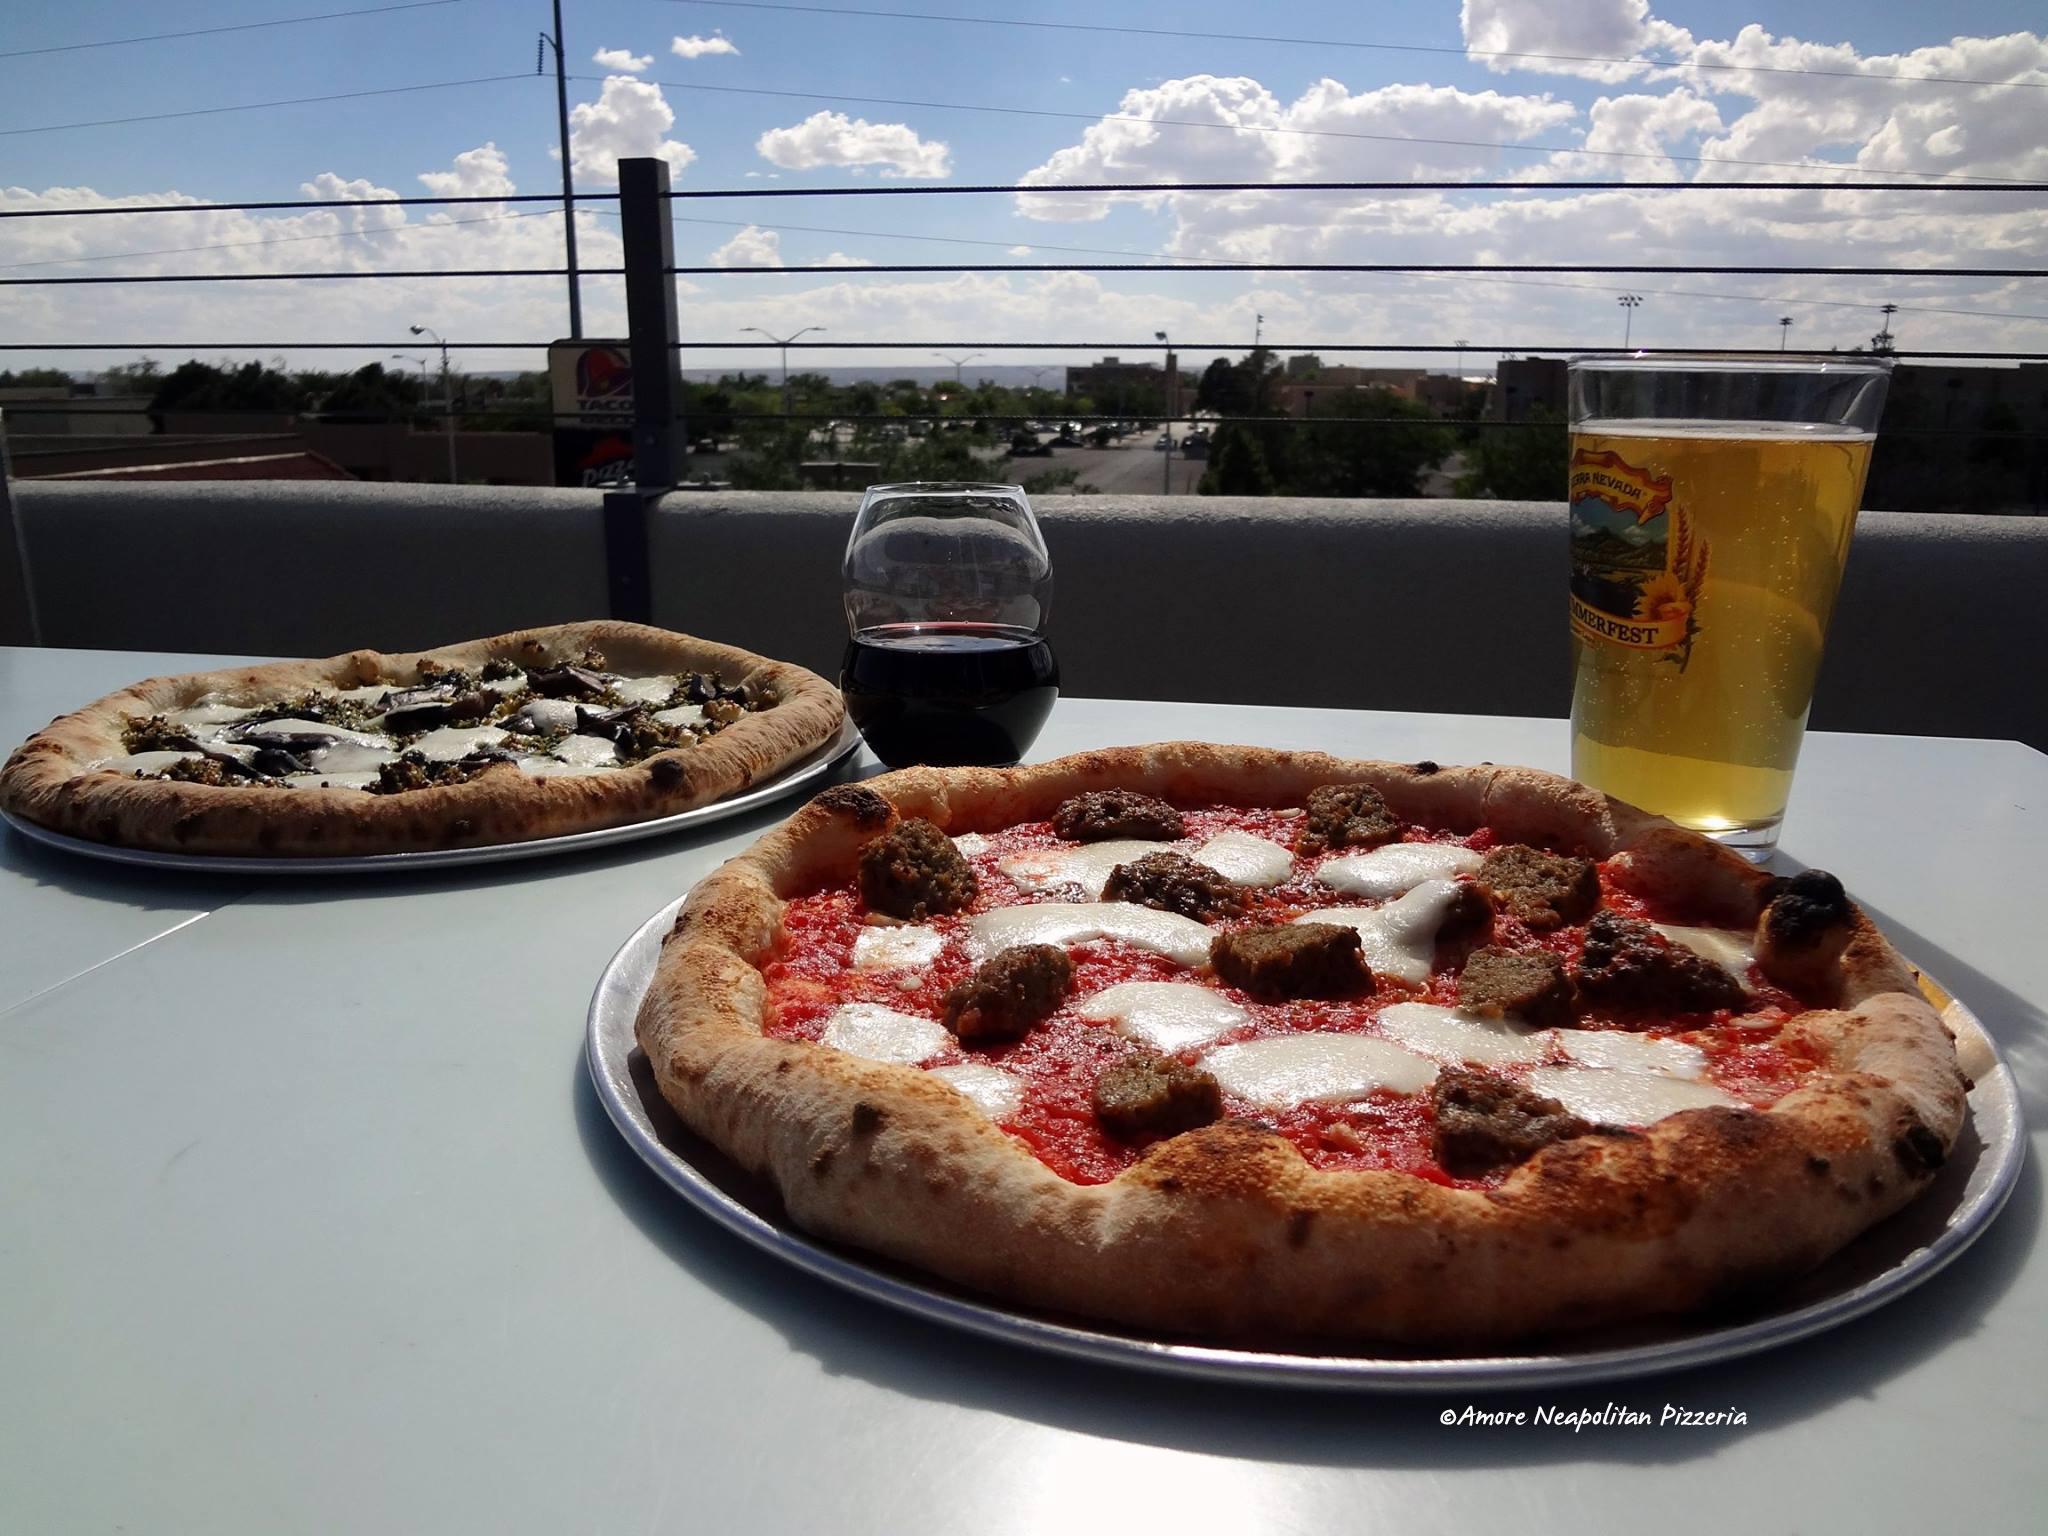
<point>197,386</point>
<point>35,378</point>
<point>1237,463</point>
<point>1518,462</point>
<point>373,393</point>
<point>1223,390</point>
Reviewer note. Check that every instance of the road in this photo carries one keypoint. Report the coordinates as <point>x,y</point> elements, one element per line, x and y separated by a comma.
<point>1131,470</point>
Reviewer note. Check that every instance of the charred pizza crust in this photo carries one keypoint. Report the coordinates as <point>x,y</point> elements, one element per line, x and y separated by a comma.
<point>1227,1230</point>
<point>49,780</point>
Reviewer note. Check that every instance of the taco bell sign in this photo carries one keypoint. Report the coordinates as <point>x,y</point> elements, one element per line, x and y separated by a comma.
<point>592,386</point>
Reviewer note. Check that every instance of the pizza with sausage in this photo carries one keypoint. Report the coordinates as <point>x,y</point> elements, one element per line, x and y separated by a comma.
<point>533,734</point>
<point>1230,1043</point>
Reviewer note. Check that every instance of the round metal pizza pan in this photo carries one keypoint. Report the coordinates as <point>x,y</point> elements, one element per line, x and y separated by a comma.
<point>806,771</point>
<point>1879,1267</point>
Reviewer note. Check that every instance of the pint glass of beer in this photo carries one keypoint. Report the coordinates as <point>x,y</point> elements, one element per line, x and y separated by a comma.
<point>1712,502</point>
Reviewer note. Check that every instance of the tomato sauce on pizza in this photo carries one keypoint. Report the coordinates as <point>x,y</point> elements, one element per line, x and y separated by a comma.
<point>1524,974</point>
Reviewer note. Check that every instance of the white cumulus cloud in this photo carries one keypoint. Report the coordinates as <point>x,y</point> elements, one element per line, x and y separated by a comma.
<point>1569,39</point>
<point>623,59</point>
<point>631,118</point>
<point>833,138</point>
<point>699,47</point>
<point>751,247</point>
<point>479,172</point>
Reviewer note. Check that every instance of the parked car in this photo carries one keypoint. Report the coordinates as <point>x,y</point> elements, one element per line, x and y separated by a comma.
<point>1164,443</point>
<point>1195,445</point>
<point>1025,445</point>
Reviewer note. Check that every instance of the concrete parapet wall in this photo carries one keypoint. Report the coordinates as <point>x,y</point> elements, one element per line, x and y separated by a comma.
<point>1413,605</point>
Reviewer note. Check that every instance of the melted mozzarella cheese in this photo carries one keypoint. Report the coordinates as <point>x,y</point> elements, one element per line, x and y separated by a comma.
<point>345,757</point>
<point>144,762</point>
<point>1634,1053</point>
<point>1164,933</point>
<point>1290,1070</point>
<point>883,1034</point>
<point>996,1093</point>
<point>450,742</point>
<point>1452,1036</point>
<point>537,717</point>
<point>294,727</point>
<point>503,686</point>
<point>586,752</point>
<point>1396,869</point>
<point>682,714</point>
<point>208,712</point>
<point>1243,859</point>
<point>1166,1015</point>
<point>1399,938</point>
<point>1610,1096</point>
<point>644,690</point>
<point>1085,868</point>
<point>1730,948</point>
<point>970,844</point>
<point>894,949</point>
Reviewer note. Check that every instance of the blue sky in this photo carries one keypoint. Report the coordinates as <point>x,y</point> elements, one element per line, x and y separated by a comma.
<point>389,141</point>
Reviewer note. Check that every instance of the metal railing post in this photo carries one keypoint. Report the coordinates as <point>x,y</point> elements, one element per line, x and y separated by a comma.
<point>659,441</point>
<point>649,238</point>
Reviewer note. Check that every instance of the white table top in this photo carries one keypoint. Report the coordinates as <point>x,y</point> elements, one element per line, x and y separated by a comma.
<point>310,1220</point>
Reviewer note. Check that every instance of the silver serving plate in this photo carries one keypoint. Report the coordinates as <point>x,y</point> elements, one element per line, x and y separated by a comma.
<point>805,772</point>
<point>1878,1267</point>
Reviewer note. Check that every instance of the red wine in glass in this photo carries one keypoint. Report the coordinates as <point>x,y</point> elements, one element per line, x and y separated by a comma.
<point>949,694</point>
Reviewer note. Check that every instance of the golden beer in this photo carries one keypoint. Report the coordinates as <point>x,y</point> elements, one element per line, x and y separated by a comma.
<point>1705,560</point>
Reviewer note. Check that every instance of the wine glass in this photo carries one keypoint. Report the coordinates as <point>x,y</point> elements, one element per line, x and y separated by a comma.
<point>947,587</point>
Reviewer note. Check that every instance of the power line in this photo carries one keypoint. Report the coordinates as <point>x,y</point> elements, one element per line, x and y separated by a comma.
<point>242,26</point>
<point>1280,266</point>
<point>259,106</point>
<point>1004,188</point>
<point>1329,42</point>
<point>1197,262</point>
<point>235,245</point>
<point>116,209</point>
<point>1319,133</point>
<point>1317,267</point>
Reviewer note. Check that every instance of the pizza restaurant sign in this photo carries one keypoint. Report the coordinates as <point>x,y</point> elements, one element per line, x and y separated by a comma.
<point>592,386</point>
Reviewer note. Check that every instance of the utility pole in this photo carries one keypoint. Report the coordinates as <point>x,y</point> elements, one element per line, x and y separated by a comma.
<point>447,394</point>
<point>408,357</point>
<point>1628,303</point>
<point>1784,330</point>
<point>1882,341</point>
<point>568,175</point>
<point>783,342</point>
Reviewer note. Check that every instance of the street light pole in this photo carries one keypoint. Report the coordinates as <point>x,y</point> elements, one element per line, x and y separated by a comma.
<point>1628,303</point>
<point>783,342</point>
<point>447,395</point>
<point>407,357</point>
<point>568,175</point>
<point>1166,462</point>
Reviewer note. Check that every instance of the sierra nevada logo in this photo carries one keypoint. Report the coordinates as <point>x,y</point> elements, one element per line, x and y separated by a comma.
<point>1637,567</point>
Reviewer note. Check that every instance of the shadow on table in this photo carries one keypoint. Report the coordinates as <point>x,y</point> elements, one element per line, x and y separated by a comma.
<point>151,889</point>
<point>850,1335</point>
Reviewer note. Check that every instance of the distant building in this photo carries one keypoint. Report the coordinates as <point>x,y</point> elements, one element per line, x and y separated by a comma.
<point>1296,396</point>
<point>1132,388</point>
<point>1302,364</point>
<point>1447,394</point>
<point>1523,385</point>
